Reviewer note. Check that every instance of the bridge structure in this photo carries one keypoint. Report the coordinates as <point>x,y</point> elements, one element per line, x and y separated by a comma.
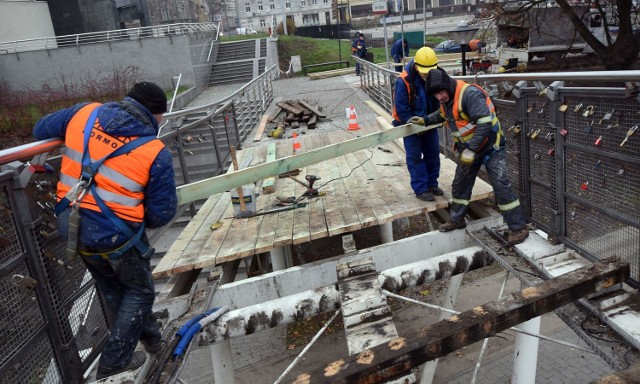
<point>577,180</point>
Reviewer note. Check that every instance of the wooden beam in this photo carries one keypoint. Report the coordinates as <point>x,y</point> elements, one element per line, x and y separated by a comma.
<point>204,188</point>
<point>290,108</point>
<point>312,109</point>
<point>261,127</point>
<point>630,375</point>
<point>269,184</point>
<point>392,360</point>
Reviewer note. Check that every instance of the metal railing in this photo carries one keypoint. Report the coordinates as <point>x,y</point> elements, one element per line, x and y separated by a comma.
<point>577,181</point>
<point>52,321</point>
<point>43,43</point>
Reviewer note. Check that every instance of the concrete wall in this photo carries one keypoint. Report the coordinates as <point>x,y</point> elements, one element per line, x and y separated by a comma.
<point>20,20</point>
<point>157,59</point>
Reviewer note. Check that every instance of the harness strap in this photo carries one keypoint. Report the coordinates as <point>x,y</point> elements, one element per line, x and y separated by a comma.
<point>89,169</point>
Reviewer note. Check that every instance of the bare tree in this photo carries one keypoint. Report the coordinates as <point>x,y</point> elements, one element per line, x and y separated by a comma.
<point>610,27</point>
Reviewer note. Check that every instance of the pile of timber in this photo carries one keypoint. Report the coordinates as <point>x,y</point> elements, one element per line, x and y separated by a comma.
<point>295,114</point>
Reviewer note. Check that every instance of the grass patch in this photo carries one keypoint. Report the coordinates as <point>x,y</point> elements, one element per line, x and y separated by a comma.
<point>169,93</point>
<point>259,35</point>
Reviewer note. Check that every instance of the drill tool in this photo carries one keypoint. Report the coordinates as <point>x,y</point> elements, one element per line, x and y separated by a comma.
<point>311,192</point>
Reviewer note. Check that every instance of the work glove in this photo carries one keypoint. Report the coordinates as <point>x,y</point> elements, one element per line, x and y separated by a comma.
<point>416,120</point>
<point>467,157</point>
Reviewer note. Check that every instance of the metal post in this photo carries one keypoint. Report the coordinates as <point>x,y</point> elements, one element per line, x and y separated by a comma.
<point>386,232</point>
<point>525,353</point>
<point>428,370</point>
<point>278,260</point>
<point>386,40</point>
<point>464,60</point>
<point>557,120</point>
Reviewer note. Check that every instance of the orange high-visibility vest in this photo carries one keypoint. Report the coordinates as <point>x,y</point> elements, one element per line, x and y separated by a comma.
<point>403,76</point>
<point>120,181</point>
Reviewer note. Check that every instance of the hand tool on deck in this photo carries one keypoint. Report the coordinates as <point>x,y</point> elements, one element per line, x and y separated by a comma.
<point>234,160</point>
<point>311,192</point>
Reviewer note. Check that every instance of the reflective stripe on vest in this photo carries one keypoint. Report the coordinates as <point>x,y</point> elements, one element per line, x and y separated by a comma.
<point>121,180</point>
<point>403,76</point>
<point>511,205</point>
<point>460,201</point>
<point>464,128</point>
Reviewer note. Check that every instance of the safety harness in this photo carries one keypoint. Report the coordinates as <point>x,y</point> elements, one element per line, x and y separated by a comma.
<point>86,182</point>
<point>465,133</point>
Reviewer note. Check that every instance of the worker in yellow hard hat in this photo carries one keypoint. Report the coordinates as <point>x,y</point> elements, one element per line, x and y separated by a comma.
<point>412,105</point>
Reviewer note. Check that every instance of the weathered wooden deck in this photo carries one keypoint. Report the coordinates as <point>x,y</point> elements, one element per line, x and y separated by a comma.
<point>374,193</point>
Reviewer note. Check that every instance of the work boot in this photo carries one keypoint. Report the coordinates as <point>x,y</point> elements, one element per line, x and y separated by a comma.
<point>517,236</point>
<point>436,191</point>
<point>153,347</point>
<point>452,225</point>
<point>426,196</point>
<point>137,360</point>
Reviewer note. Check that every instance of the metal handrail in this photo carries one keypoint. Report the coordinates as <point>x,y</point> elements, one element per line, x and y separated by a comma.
<point>31,149</point>
<point>106,36</point>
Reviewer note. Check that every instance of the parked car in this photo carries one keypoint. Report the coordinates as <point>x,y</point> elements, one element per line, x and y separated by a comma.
<point>246,31</point>
<point>447,46</point>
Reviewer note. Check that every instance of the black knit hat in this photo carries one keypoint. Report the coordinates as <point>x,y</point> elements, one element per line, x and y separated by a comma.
<point>437,80</point>
<point>150,95</point>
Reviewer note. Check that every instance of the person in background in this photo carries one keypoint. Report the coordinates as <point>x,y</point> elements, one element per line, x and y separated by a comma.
<point>359,49</point>
<point>399,50</point>
<point>104,206</point>
<point>412,104</point>
<point>469,114</point>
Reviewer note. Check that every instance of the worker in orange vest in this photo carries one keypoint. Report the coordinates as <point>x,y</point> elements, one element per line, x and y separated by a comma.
<point>116,179</point>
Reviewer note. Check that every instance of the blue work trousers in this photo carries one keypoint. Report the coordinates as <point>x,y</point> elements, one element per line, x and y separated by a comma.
<point>497,170</point>
<point>423,160</point>
<point>128,289</point>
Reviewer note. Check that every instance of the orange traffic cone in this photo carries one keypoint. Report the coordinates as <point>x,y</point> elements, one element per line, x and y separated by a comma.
<point>296,144</point>
<point>353,123</point>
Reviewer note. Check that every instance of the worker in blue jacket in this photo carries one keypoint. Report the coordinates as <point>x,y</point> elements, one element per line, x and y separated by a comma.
<point>104,220</point>
<point>399,50</point>
<point>359,49</point>
<point>411,105</point>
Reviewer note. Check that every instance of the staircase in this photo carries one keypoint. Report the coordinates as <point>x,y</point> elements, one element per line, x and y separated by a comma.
<point>238,62</point>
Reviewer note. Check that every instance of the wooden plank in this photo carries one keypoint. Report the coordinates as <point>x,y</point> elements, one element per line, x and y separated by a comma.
<point>269,184</point>
<point>207,257</point>
<point>386,115</point>
<point>263,124</point>
<point>267,231</point>
<point>400,355</point>
<point>317,215</point>
<point>313,109</point>
<point>358,195</point>
<point>164,267</point>
<point>284,228</point>
<point>290,108</point>
<point>301,217</point>
<point>205,188</point>
<point>188,258</point>
<point>630,375</point>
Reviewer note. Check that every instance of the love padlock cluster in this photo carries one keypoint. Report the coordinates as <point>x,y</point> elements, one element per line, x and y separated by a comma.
<point>610,119</point>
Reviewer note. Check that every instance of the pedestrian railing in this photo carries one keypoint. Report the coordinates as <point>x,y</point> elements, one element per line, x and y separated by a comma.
<point>52,42</point>
<point>52,321</point>
<point>566,157</point>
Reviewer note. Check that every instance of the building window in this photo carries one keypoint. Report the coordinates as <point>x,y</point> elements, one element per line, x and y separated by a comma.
<point>325,1</point>
<point>272,5</point>
<point>314,2</point>
<point>303,3</point>
<point>263,23</point>
<point>287,4</point>
<point>247,7</point>
<point>260,7</point>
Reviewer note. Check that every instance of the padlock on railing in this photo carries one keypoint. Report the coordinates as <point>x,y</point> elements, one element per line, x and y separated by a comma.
<point>537,155</point>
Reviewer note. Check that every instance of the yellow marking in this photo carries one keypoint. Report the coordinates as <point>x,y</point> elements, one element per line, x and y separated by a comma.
<point>365,357</point>
<point>531,292</point>
<point>397,343</point>
<point>333,368</point>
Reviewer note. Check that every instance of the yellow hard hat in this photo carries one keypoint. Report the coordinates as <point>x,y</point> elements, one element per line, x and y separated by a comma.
<point>425,60</point>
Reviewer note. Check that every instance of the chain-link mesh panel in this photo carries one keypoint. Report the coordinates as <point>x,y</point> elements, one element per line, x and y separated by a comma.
<point>87,320</point>
<point>586,130</point>
<point>509,121</point>
<point>10,245</point>
<point>20,314</point>
<point>37,365</point>
<point>602,235</point>
<point>540,138</point>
